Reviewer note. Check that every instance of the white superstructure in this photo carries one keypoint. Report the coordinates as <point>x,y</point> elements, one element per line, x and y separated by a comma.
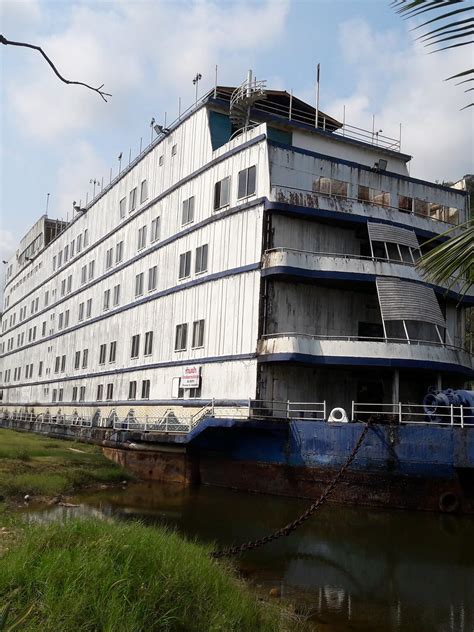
<point>227,265</point>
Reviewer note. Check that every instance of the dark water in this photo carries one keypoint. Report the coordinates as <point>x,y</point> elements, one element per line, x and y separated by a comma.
<point>353,569</point>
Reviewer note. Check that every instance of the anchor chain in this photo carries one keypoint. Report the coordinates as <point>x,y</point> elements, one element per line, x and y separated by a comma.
<point>292,526</point>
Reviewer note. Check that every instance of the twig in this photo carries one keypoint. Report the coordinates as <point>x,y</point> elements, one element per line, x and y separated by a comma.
<point>3,40</point>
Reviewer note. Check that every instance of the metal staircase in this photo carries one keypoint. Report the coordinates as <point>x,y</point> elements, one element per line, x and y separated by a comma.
<point>242,100</point>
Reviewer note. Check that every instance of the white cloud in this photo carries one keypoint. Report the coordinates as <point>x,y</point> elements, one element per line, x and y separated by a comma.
<point>73,179</point>
<point>408,86</point>
<point>118,44</point>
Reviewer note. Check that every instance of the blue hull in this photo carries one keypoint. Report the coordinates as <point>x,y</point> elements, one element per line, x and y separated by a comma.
<point>401,466</point>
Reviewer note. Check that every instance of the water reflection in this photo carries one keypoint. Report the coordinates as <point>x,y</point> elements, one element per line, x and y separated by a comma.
<point>350,568</point>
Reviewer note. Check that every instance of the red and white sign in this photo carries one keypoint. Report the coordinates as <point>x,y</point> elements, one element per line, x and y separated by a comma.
<point>191,376</point>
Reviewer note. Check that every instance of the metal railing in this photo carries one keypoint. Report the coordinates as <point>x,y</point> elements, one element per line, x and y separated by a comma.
<point>406,341</point>
<point>275,409</point>
<point>396,413</point>
<point>292,112</point>
<point>413,414</point>
<point>168,424</point>
<point>339,255</point>
<point>312,201</point>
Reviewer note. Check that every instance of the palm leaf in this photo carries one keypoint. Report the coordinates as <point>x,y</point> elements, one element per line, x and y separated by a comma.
<point>452,261</point>
<point>456,31</point>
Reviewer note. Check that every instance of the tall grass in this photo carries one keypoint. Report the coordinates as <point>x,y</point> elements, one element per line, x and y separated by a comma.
<point>32,464</point>
<point>96,576</point>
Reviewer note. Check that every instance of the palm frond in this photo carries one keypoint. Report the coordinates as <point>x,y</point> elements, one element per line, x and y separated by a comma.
<point>469,21</point>
<point>457,31</point>
<point>451,262</point>
<point>445,15</point>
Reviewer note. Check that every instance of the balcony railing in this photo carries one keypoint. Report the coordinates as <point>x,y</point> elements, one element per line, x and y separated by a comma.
<point>404,341</point>
<point>307,197</point>
<point>339,255</point>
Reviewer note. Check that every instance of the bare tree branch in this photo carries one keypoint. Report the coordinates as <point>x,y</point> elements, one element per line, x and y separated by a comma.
<point>3,40</point>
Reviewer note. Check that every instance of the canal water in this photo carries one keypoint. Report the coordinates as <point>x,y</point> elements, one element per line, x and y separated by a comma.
<point>348,568</point>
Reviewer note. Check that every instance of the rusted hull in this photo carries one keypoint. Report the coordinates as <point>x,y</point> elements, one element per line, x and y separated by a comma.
<point>424,467</point>
<point>356,488</point>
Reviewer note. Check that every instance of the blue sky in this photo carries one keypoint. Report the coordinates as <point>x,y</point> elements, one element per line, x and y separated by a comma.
<point>55,138</point>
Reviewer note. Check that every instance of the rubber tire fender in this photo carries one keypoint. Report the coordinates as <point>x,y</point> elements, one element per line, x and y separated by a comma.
<point>449,502</point>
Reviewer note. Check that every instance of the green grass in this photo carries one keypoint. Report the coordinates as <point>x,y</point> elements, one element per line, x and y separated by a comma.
<point>36,465</point>
<point>97,576</point>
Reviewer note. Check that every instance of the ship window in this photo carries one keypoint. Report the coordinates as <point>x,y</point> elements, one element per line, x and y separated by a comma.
<point>201,259</point>
<point>89,308</point>
<point>83,274</point>
<point>188,211</point>
<point>180,342</point>
<point>139,284</point>
<point>148,343</point>
<point>74,393</point>
<point>339,188</point>
<point>152,278</point>
<point>141,238</point>
<point>405,204</point>
<point>421,207</point>
<point>102,353</point>
<point>221,193</point>
<point>133,200</point>
<point>113,351</point>
<point>91,269</point>
<point>77,360</point>
<point>123,207</point>
<point>247,178</point>
<point>100,392</point>
<point>184,265</point>
<point>119,252</point>
<point>135,346</point>
<point>79,243</point>
<point>57,364</point>
<point>366,194</point>
<point>82,393</point>
<point>116,295</point>
<point>132,390</point>
<point>174,149</point>
<point>143,191</point>
<point>106,300</point>
<point>145,389</point>
<point>161,160</point>
<point>85,357</point>
<point>155,229</point>
<point>110,391</point>
<point>109,258</point>
<point>198,333</point>
<point>55,394</point>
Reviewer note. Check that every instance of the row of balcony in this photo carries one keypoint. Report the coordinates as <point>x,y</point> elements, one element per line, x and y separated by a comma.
<point>299,262</point>
<point>371,352</point>
<point>355,349</point>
